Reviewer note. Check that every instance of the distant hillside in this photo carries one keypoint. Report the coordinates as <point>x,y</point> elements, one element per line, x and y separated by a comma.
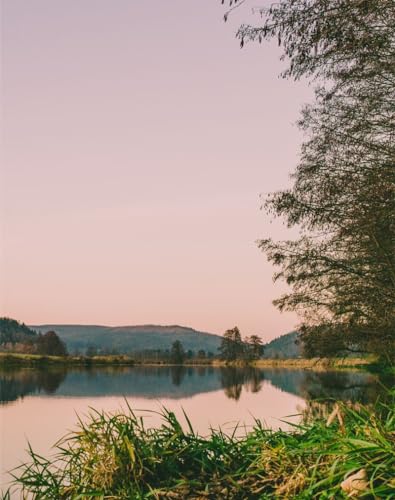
<point>132,338</point>
<point>283,347</point>
<point>17,337</point>
<point>13,331</point>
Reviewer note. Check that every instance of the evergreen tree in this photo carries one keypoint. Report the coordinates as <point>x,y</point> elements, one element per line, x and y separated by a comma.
<point>177,353</point>
<point>254,347</point>
<point>232,347</point>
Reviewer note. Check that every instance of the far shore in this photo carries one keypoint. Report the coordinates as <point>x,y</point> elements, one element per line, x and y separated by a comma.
<point>8,359</point>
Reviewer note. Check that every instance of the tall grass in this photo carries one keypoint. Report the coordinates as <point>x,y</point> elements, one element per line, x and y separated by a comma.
<point>114,456</point>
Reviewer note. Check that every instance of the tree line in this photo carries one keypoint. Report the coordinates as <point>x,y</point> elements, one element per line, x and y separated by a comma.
<point>233,348</point>
<point>17,337</point>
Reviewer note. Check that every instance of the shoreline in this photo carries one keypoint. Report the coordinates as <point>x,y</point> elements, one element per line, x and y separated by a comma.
<point>314,364</point>
<point>115,455</point>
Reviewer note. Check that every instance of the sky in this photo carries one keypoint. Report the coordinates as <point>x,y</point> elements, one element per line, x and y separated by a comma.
<point>137,139</point>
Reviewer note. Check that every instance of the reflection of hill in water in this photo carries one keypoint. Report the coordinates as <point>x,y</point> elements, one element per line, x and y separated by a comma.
<point>180,382</point>
<point>149,382</point>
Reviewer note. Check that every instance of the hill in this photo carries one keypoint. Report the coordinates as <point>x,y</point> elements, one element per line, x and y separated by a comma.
<point>132,338</point>
<point>11,331</point>
<point>17,337</point>
<point>284,346</point>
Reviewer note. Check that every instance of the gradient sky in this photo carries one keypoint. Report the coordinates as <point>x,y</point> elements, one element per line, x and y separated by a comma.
<point>137,138</point>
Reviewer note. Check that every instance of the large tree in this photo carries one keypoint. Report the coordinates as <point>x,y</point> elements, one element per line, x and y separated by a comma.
<point>254,347</point>
<point>51,344</point>
<point>232,347</point>
<point>342,268</point>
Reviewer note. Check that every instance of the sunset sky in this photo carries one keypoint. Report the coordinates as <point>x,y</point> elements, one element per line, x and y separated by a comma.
<point>137,138</point>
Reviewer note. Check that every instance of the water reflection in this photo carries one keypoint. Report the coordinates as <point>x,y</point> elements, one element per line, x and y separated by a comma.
<point>15,384</point>
<point>183,381</point>
<point>234,379</point>
<point>178,374</point>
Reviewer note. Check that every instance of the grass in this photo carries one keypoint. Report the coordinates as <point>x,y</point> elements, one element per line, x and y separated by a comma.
<point>16,359</point>
<point>113,456</point>
<point>31,360</point>
<point>316,363</point>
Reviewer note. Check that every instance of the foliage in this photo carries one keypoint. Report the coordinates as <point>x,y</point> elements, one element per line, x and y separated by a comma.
<point>254,347</point>
<point>177,353</point>
<point>17,337</point>
<point>232,347</point>
<point>12,331</point>
<point>115,456</point>
<point>50,344</point>
<point>342,268</point>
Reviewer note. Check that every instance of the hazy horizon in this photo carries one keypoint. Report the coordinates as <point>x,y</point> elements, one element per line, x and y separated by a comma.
<point>137,138</point>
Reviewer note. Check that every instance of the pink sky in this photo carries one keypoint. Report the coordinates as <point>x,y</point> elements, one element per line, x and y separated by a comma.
<point>137,137</point>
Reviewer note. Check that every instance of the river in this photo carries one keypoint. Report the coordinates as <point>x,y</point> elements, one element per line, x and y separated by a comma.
<point>40,405</point>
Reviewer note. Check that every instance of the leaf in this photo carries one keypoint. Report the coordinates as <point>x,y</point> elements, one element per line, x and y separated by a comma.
<point>360,443</point>
<point>130,449</point>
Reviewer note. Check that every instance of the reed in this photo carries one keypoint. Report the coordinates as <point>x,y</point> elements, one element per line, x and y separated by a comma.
<point>114,456</point>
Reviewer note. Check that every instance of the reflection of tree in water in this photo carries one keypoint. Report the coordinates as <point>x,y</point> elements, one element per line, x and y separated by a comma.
<point>177,374</point>
<point>321,389</point>
<point>355,386</point>
<point>201,371</point>
<point>15,384</point>
<point>233,379</point>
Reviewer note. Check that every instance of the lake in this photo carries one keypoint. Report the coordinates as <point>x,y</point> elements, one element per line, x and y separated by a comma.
<point>41,405</point>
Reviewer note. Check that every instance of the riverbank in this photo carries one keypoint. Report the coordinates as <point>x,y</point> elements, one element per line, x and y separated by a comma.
<point>115,456</point>
<point>315,363</point>
<point>34,360</point>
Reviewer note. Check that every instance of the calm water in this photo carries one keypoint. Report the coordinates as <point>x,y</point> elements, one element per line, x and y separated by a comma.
<point>40,406</point>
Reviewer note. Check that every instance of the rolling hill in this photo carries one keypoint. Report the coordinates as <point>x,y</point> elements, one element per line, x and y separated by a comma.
<point>132,338</point>
<point>283,347</point>
<point>125,339</point>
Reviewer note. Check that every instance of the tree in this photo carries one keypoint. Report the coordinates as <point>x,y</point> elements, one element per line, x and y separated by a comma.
<point>342,268</point>
<point>231,347</point>
<point>50,344</point>
<point>13,331</point>
<point>254,347</point>
<point>91,351</point>
<point>177,354</point>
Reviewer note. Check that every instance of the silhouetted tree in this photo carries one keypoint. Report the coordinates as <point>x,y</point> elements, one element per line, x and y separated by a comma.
<point>341,269</point>
<point>254,347</point>
<point>232,347</point>
<point>50,344</point>
<point>177,353</point>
